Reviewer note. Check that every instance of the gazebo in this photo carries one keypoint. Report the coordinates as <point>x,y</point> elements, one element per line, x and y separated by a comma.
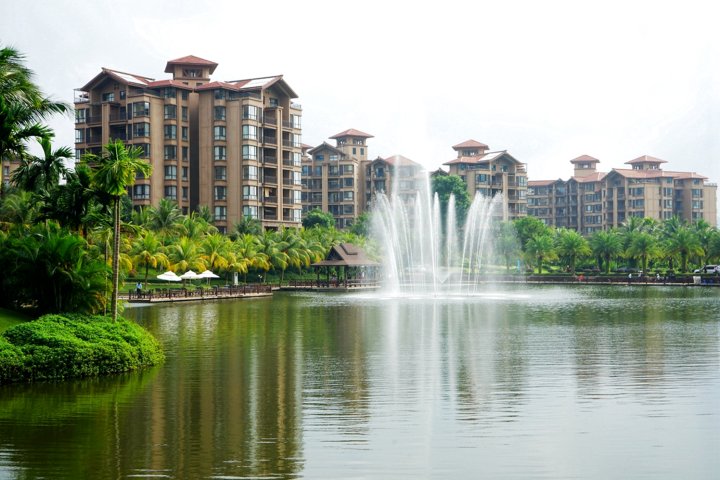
<point>351,265</point>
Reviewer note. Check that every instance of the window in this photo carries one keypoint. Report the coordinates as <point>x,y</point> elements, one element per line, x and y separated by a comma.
<point>481,178</point>
<point>170,172</point>
<point>296,179</point>
<point>219,94</point>
<point>296,159</point>
<point>296,140</point>
<point>251,112</point>
<point>141,192</point>
<point>171,192</point>
<point>185,113</point>
<point>184,133</point>
<point>220,173</point>
<point>319,157</point>
<point>249,152</point>
<point>185,173</point>
<point>250,172</point>
<point>348,196</point>
<point>333,157</point>
<point>184,193</point>
<point>170,112</point>
<point>697,193</point>
<point>249,132</point>
<point>185,154</point>
<point>79,135</point>
<point>170,152</point>
<point>141,109</point>
<point>219,132</point>
<point>250,211</point>
<point>220,213</point>
<point>347,169</point>
<point>273,102</point>
<point>219,153</point>
<point>220,113</point>
<point>168,92</point>
<point>108,97</point>
<point>220,193</point>
<point>250,192</point>
<point>170,132</point>
<point>191,73</point>
<point>348,182</point>
<point>184,95</point>
<point>78,156</point>
<point>145,147</point>
<point>141,130</point>
<point>295,121</point>
<point>80,115</point>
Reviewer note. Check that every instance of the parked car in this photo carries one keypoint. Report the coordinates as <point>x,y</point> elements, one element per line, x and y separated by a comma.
<point>708,269</point>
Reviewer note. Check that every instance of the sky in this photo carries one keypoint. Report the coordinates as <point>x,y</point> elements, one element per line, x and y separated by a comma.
<point>545,80</point>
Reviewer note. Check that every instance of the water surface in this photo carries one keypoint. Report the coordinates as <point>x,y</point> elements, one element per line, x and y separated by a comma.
<point>528,382</point>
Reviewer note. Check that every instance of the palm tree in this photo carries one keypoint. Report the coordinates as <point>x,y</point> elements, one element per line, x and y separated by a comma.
<point>642,246</point>
<point>249,254</point>
<point>42,173</point>
<point>507,244</point>
<point>18,209</point>
<point>217,252</point>
<point>185,255</point>
<point>571,246</point>
<point>606,245</point>
<point>541,248</point>
<point>115,171</point>
<point>22,107</point>
<point>274,249</point>
<point>166,219</point>
<point>247,225</point>
<point>197,226</point>
<point>74,204</point>
<point>684,242</point>
<point>147,251</point>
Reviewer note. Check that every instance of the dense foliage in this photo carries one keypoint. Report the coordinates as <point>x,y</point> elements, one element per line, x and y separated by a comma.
<point>70,346</point>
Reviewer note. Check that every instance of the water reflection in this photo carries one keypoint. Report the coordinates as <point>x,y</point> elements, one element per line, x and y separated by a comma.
<point>532,382</point>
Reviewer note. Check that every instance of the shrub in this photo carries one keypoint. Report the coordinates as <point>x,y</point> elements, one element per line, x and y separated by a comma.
<point>70,346</point>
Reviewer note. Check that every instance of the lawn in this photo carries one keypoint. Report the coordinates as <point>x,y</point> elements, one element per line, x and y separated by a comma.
<point>8,319</point>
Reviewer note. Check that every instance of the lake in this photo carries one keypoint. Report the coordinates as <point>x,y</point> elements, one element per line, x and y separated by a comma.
<point>572,382</point>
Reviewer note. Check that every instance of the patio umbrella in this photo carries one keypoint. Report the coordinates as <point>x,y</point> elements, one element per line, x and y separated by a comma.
<point>189,275</point>
<point>169,276</point>
<point>207,274</point>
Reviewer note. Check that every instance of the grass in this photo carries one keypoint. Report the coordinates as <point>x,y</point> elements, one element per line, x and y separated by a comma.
<point>9,318</point>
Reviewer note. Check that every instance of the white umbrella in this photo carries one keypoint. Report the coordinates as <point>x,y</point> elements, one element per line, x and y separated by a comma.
<point>169,276</point>
<point>207,274</point>
<point>189,275</point>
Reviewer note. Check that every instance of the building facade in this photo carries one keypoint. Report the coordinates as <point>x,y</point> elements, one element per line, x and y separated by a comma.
<point>232,146</point>
<point>491,173</point>
<point>342,180</point>
<point>590,200</point>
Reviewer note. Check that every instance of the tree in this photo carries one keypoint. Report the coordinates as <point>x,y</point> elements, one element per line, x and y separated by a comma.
<point>529,227</point>
<point>541,248</point>
<point>147,251</point>
<point>570,246</point>
<point>22,107</point>
<point>37,174</point>
<point>606,245</point>
<point>451,185</point>
<point>249,225</point>
<point>74,204</point>
<point>642,246</point>
<point>684,242</point>
<point>166,219</point>
<point>318,218</point>
<point>362,224</point>
<point>114,172</point>
<point>507,243</point>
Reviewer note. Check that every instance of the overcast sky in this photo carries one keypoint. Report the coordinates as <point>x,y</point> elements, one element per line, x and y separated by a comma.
<point>545,80</point>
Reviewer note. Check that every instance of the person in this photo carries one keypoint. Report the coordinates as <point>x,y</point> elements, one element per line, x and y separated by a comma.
<point>138,288</point>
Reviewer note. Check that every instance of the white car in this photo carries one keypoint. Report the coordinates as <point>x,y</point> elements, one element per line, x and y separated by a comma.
<point>708,269</point>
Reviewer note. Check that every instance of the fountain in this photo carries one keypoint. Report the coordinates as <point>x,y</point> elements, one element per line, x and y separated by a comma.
<point>420,256</point>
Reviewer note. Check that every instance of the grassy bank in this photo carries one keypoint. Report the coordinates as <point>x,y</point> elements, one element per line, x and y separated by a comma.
<point>9,319</point>
<point>57,347</point>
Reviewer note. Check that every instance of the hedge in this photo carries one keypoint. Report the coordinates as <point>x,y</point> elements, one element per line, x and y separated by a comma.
<point>56,347</point>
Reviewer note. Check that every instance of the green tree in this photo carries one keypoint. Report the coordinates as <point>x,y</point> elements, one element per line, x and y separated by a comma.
<point>362,224</point>
<point>571,246</point>
<point>451,185</point>
<point>36,174</point>
<point>507,243</point>
<point>185,254</point>
<point>147,251</point>
<point>643,246</point>
<point>529,227</point>
<point>541,248</point>
<point>246,225</point>
<point>166,219</point>
<point>606,245</point>
<point>114,172</point>
<point>317,218</point>
<point>684,242</point>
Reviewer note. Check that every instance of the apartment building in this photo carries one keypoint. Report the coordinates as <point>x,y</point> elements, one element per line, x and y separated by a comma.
<point>590,200</point>
<point>232,146</point>
<point>342,180</point>
<point>491,173</point>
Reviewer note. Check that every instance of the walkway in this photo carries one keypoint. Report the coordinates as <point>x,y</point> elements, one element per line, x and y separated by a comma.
<point>159,295</point>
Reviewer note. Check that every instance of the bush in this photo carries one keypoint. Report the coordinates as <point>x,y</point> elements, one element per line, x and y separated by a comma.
<point>70,346</point>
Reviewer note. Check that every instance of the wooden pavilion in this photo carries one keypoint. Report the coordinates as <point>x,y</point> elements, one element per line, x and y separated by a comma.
<point>347,265</point>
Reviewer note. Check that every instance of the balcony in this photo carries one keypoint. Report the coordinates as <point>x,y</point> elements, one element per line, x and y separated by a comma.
<point>268,159</point>
<point>270,199</point>
<point>270,179</point>
<point>270,120</point>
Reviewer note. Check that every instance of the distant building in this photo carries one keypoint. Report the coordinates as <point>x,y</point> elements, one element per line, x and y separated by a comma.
<point>232,146</point>
<point>490,173</point>
<point>342,180</point>
<point>590,200</point>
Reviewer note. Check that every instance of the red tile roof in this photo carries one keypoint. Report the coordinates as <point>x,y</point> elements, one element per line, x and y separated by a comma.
<point>593,177</point>
<point>645,159</point>
<point>484,157</point>
<point>584,159</point>
<point>470,144</point>
<point>399,160</point>
<point>190,60</point>
<point>540,183</point>
<point>169,83</point>
<point>351,132</point>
